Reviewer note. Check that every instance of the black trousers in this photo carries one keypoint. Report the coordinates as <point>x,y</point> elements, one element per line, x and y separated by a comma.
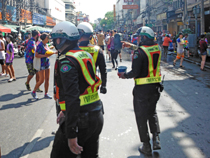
<point>88,138</point>
<point>114,54</point>
<point>145,100</point>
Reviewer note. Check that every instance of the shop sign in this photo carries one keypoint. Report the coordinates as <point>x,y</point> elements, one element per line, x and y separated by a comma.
<point>10,13</point>
<point>25,16</point>
<point>170,14</point>
<point>39,19</point>
<point>50,21</point>
<point>161,16</point>
<point>126,1</point>
<point>130,6</point>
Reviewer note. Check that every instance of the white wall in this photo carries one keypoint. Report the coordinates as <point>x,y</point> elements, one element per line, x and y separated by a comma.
<point>56,9</point>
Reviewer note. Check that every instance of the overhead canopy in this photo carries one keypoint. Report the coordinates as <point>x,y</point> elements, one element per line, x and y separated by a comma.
<point>38,28</point>
<point>5,29</point>
<point>12,27</point>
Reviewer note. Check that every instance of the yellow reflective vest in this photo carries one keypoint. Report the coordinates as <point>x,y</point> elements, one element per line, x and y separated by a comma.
<point>91,93</point>
<point>154,75</point>
<point>93,50</point>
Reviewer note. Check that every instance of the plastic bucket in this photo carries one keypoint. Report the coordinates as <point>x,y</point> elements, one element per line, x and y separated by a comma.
<point>122,69</point>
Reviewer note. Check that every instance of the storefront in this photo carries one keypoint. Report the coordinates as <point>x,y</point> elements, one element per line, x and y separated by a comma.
<point>172,24</point>
<point>56,9</point>
<point>161,22</point>
<point>207,20</point>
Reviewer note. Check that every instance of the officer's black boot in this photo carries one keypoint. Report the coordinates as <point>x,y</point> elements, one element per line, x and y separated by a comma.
<point>156,142</point>
<point>146,149</point>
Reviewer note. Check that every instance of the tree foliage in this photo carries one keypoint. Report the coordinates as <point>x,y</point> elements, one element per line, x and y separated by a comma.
<point>109,23</point>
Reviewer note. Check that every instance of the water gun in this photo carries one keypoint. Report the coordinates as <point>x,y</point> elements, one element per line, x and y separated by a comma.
<point>186,42</point>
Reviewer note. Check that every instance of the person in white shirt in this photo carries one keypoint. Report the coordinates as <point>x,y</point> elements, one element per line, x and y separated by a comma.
<point>2,56</point>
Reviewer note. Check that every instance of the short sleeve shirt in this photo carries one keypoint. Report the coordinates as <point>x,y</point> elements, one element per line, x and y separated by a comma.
<point>180,48</point>
<point>42,49</point>
<point>29,54</point>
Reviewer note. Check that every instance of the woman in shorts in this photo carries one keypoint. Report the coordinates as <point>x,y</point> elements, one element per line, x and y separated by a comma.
<point>180,50</point>
<point>203,49</point>
<point>9,59</point>
<point>44,53</point>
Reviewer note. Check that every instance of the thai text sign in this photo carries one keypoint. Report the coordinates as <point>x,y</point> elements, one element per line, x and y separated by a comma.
<point>130,6</point>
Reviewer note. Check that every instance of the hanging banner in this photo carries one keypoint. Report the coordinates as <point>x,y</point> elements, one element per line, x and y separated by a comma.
<point>50,21</point>
<point>39,19</point>
<point>25,16</point>
<point>10,13</point>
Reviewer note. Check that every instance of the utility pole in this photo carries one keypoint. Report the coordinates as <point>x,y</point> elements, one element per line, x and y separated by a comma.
<point>185,13</point>
<point>202,17</point>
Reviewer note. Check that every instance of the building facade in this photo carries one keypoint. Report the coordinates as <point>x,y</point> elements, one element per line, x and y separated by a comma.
<point>161,15</point>
<point>70,14</point>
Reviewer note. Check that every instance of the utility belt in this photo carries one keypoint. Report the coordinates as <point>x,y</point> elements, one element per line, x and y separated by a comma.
<point>84,117</point>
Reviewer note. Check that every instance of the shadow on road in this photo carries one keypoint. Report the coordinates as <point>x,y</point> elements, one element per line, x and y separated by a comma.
<point>7,97</point>
<point>39,145</point>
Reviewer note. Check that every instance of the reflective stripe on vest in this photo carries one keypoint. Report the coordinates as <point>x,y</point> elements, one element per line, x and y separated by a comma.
<point>82,58</point>
<point>93,50</point>
<point>154,76</point>
<point>91,93</point>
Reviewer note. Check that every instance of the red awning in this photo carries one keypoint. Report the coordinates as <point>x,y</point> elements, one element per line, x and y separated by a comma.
<point>5,29</point>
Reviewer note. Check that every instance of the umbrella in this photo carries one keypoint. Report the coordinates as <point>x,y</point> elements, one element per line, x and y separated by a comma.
<point>5,29</point>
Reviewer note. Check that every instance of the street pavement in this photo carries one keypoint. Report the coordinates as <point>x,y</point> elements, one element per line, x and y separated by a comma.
<point>26,125</point>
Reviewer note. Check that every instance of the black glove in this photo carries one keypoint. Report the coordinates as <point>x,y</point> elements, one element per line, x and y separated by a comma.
<point>103,89</point>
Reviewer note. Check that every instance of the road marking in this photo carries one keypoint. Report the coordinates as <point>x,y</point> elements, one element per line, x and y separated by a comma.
<point>179,89</point>
<point>32,143</point>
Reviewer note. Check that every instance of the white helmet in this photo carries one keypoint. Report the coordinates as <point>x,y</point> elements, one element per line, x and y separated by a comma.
<point>147,31</point>
<point>65,31</point>
<point>85,28</point>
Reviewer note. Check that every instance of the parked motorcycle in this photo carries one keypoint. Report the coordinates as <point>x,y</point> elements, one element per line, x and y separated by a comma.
<point>21,50</point>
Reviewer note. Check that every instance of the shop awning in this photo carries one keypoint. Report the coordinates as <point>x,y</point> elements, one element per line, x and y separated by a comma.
<point>12,27</point>
<point>5,29</point>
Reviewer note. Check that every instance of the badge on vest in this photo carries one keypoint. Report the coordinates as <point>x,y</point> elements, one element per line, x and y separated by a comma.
<point>65,68</point>
<point>135,56</point>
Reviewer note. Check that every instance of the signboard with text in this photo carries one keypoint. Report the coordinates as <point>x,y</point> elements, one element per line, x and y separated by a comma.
<point>130,6</point>
<point>126,1</point>
<point>50,21</point>
<point>39,19</point>
<point>25,15</point>
<point>10,13</point>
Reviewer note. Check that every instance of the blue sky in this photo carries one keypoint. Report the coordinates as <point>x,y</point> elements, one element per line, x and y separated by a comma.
<point>94,8</point>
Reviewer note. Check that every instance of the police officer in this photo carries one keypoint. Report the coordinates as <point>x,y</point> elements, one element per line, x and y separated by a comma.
<point>78,97</point>
<point>86,32</point>
<point>146,72</point>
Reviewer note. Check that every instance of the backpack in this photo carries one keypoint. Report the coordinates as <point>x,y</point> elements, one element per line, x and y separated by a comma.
<point>117,41</point>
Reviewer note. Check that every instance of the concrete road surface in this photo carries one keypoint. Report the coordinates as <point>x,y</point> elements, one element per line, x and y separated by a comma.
<point>183,110</point>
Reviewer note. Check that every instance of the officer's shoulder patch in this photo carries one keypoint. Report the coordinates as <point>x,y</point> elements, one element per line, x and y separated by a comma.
<point>135,56</point>
<point>65,68</point>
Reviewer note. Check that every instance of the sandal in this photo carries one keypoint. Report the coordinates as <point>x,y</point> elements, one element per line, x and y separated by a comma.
<point>181,66</point>
<point>202,69</point>
<point>174,63</point>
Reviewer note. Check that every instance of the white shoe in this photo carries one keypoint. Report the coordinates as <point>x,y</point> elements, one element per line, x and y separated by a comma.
<point>7,75</point>
<point>10,80</point>
<point>2,74</point>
